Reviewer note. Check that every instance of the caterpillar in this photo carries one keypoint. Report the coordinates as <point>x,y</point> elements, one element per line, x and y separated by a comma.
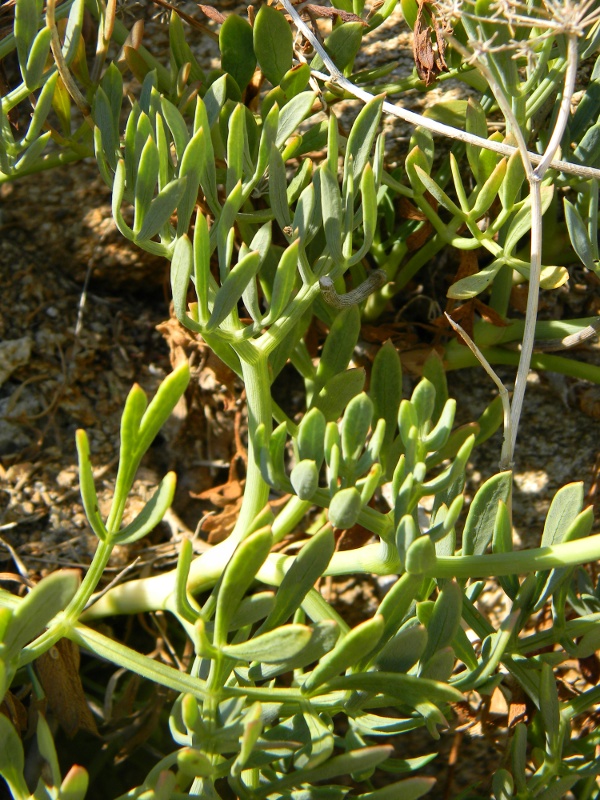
<point>375,280</point>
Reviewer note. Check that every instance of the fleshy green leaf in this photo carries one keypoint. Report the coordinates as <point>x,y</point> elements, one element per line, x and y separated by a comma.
<point>472,285</point>
<point>87,486</point>
<point>521,222</point>
<point>237,51</point>
<point>587,151</point>
<point>152,513</point>
<point>409,789</point>
<point>284,283</point>
<point>192,167</point>
<point>145,183</point>
<point>161,209</point>
<point>177,126</point>
<point>27,16</point>
<point>305,479</point>
<point>566,504</point>
<point>344,508</point>
<point>162,404</point>
<point>436,191</point>
<point>578,234</point>
<point>410,689</point>
<point>476,123</point>
<point>51,595</point>
<point>513,180</point>
<point>338,391</point>
<point>416,158</point>
<point>283,643</point>
<point>292,114</point>
<point>549,707</point>
<point>359,641</point>
<point>342,45</point>
<point>236,140</point>
<point>306,568</point>
<point>421,556</point>
<point>339,345</point>
<point>42,108</point>
<point>12,759</point>
<point>355,426</point>
<point>278,189</point>
<point>331,206</point>
<point>311,436</point>
<point>323,639</point>
<point>273,43</point>
<point>181,272</point>
<point>479,526</point>
<point>295,80</point>
<point>239,573</point>
<point>36,61</point>
<point>386,389</point>
<point>180,49</point>
<point>489,191</point>
<point>233,286</point>
<point>404,650</point>
<point>445,619</point>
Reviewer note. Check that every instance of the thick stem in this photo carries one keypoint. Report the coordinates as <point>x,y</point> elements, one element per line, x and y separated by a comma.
<point>416,119</point>
<point>564,111</point>
<point>461,357</point>
<point>531,313</point>
<point>535,185</point>
<point>255,373</point>
<point>158,592</point>
<point>65,622</point>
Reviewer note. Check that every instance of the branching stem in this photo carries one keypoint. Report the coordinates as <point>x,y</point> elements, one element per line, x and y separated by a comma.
<point>416,119</point>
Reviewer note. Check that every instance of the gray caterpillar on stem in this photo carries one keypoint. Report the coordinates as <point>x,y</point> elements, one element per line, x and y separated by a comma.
<point>375,281</point>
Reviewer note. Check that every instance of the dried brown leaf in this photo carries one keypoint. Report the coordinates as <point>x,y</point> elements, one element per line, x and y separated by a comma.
<point>468,264</point>
<point>489,314</point>
<point>332,13</point>
<point>429,58</point>
<point>16,712</point>
<point>408,210</point>
<point>211,13</point>
<point>418,238</point>
<point>58,671</point>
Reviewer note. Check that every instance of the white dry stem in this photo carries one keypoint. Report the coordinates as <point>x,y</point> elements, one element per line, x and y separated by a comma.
<point>534,178</point>
<point>506,455</point>
<point>105,32</point>
<point>62,67</point>
<point>534,175</point>
<point>535,184</point>
<point>336,76</point>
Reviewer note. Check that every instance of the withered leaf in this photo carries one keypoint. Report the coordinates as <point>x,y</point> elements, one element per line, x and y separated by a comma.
<point>58,671</point>
<point>418,238</point>
<point>333,13</point>
<point>429,62</point>
<point>407,210</point>
<point>211,13</point>
<point>16,712</point>
<point>468,265</point>
<point>489,314</point>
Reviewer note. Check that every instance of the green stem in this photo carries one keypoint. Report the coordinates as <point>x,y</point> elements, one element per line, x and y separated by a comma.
<point>461,357</point>
<point>521,562</point>
<point>255,373</point>
<point>289,517</point>
<point>573,629</point>
<point>159,591</point>
<point>65,622</point>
